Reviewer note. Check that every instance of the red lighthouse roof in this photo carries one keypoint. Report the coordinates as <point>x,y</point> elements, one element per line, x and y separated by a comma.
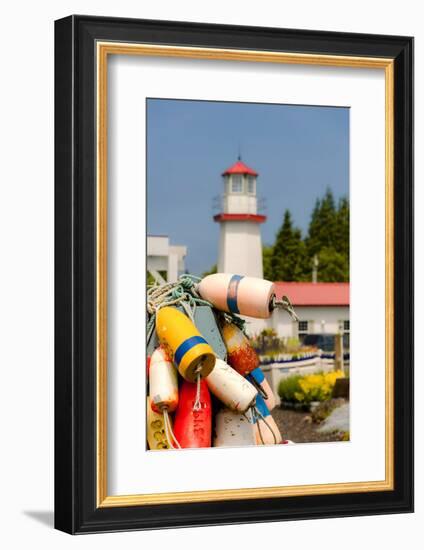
<point>239,168</point>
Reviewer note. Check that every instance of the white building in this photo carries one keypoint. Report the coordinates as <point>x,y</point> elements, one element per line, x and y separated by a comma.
<point>322,308</point>
<point>162,257</point>
<point>240,243</point>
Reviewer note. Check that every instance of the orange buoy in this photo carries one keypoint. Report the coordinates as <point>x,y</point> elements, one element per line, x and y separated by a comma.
<point>257,377</point>
<point>233,429</point>
<point>241,356</point>
<point>193,425</point>
<point>238,294</point>
<point>230,387</point>
<point>156,433</point>
<point>190,351</point>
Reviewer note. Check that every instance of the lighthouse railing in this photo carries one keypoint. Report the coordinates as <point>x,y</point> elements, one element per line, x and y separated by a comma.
<point>219,204</point>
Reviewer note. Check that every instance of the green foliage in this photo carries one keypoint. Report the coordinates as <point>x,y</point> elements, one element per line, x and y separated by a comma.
<point>333,266</point>
<point>266,261</point>
<point>323,225</point>
<point>213,269</point>
<point>342,239</point>
<point>268,344</point>
<point>291,257</point>
<point>328,239</point>
<point>288,254</point>
<point>151,280</point>
<point>310,387</point>
<point>288,387</point>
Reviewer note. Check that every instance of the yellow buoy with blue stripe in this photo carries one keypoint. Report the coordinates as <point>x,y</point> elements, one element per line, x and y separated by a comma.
<point>190,352</point>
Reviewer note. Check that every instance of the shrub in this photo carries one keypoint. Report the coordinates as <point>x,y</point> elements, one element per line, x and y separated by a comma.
<point>288,387</point>
<point>307,388</point>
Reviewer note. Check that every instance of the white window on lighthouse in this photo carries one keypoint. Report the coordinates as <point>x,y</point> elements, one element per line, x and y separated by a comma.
<point>251,185</point>
<point>237,183</point>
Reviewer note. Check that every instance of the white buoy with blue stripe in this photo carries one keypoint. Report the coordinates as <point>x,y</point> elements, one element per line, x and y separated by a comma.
<point>248,296</point>
<point>257,378</point>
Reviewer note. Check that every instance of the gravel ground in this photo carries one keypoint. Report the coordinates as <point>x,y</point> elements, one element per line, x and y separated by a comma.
<point>299,427</point>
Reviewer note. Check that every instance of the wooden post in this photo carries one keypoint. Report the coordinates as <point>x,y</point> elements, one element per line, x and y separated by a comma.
<point>338,363</point>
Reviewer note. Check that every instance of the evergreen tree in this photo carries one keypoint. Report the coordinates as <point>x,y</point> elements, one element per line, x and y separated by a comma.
<point>343,213</point>
<point>323,225</point>
<point>266,262</point>
<point>211,271</point>
<point>288,254</point>
<point>333,266</point>
<point>328,238</point>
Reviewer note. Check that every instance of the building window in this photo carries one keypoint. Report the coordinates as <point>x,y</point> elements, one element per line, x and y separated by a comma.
<point>251,185</point>
<point>303,326</point>
<point>346,326</point>
<point>302,329</point>
<point>236,184</point>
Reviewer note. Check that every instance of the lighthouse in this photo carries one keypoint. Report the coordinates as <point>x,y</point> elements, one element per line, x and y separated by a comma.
<point>240,243</point>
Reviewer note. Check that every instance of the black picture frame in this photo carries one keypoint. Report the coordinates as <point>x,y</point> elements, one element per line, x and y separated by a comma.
<point>76,508</point>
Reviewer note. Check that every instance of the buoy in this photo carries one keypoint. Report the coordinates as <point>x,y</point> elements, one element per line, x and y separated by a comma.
<point>156,434</point>
<point>237,294</point>
<point>191,353</point>
<point>163,382</point>
<point>241,356</point>
<point>266,429</point>
<point>232,429</point>
<point>192,425</point>
<point>230,387</point>
<point>163,390</point>
<point>248,296</point>
<point>257,377</point>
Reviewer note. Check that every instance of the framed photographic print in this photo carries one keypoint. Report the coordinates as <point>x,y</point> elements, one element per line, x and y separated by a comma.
<point>233,266</point>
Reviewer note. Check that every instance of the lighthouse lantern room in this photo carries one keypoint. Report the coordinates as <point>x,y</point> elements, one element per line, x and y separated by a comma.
<point>240,244</point>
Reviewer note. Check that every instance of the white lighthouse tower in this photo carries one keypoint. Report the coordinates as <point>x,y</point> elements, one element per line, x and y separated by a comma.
<point>240,244</point>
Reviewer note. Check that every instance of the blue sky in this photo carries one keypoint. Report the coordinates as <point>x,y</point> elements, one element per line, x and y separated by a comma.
<point>298,152</point>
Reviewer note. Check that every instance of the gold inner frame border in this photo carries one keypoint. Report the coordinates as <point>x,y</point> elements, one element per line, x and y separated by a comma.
<point>103,50</point>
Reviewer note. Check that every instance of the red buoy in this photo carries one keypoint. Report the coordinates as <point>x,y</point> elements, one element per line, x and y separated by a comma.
<point>193,428</point>
<point>241,356</point>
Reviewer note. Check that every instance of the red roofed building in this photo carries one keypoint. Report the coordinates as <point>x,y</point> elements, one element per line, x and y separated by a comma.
<point>314,294</point>
<point>321,308</point>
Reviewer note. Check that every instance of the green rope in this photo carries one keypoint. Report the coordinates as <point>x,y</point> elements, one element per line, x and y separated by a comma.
<point>182,293</point>
<point>235,320</point>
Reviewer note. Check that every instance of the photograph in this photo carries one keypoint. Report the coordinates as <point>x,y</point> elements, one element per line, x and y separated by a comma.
<point>248,325</point>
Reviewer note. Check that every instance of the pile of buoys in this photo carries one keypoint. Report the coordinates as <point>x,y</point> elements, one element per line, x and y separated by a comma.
<point>206,388</point>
